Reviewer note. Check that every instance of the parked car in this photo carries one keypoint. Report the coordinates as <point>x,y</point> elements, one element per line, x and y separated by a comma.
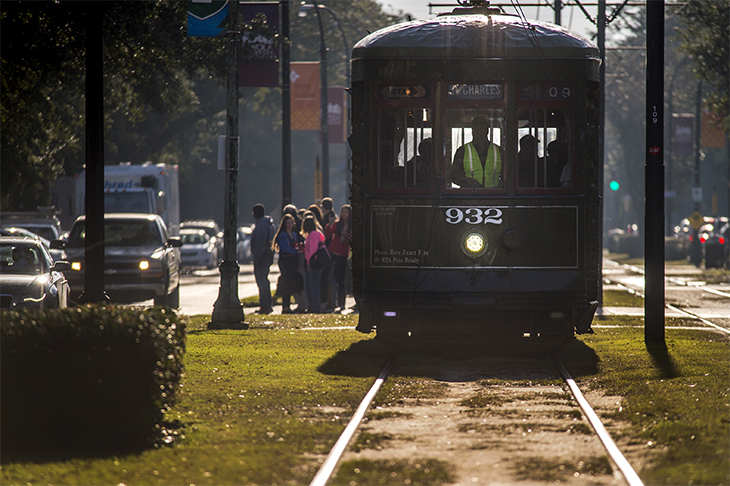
<point>28,276</point>
<point>243,244</point>
<point>141,260</point>
<point>56,254</point>
<point>210,227</point>
<point>198,249</point>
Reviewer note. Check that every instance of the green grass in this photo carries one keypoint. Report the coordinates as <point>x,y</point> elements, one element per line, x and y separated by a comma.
<point>676,399</point>
<point>252,404</point>
<point>255,404</point>
<point>553,470</point>
<point>621,298</point>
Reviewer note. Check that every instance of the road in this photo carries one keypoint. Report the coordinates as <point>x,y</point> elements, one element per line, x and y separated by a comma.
<point>199,289</point>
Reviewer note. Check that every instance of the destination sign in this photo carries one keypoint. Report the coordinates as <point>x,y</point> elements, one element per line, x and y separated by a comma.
<point>399,92</point>
<point>475,92</point>
<point>552,91</point>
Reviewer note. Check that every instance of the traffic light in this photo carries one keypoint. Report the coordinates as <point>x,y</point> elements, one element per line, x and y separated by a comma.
<point>614,185</point>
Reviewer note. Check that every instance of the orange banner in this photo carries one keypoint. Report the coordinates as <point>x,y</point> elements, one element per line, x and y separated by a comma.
<point>305,109</point>
<point>713,132</point>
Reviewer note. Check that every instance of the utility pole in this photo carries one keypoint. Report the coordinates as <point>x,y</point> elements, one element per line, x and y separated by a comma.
<point>94,242</point>
<point>324,116</point>
<point>228,310</point>
<point>601,24</point>
<point>286,187</point>
<point>654,175</point>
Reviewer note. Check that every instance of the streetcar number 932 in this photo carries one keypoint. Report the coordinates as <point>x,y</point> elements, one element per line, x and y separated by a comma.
<point>474,215</point>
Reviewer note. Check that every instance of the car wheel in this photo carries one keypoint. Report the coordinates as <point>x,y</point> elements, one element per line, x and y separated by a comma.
<point>170,300</point>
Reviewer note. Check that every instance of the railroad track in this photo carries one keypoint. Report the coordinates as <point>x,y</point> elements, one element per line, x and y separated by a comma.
<point>421,424</point>
<point>636,288</point>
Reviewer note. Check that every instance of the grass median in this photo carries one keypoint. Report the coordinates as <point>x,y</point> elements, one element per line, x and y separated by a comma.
<point>264,406</point>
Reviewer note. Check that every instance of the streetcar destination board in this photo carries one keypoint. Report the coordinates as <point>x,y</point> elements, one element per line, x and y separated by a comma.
<point>475,92</point>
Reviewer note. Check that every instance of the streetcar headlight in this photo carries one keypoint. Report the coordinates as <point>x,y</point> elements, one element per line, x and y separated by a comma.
<point>474,243</point>
<point>144,265</point>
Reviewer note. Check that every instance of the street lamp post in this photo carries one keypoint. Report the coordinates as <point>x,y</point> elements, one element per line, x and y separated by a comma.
<point>227,309</point>
<point>323,85</point>
<point>323,103</point>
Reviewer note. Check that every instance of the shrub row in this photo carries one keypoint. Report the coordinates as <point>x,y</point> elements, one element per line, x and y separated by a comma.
<point>87,378</point>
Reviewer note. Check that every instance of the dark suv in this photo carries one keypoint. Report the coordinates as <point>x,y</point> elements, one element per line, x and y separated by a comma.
<point>141,260</point>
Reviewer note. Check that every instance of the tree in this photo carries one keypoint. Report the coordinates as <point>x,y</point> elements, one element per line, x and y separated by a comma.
<point>705,36</point>
<point>148,62</point>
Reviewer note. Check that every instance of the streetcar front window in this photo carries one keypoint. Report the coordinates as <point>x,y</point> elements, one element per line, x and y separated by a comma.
<point>405,148</point>
<point>475,141</point>
<point>544,151</point>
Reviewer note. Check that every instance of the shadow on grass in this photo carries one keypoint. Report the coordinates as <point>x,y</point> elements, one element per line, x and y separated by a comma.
<point>663,361</point>
<point>368,357</point>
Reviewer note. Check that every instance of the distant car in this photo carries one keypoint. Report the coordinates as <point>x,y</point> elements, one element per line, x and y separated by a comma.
<point>28,276</point>
<point>210,227</point>
<point>141,260</point>
<point>243,244</point>
<point>198,249</point>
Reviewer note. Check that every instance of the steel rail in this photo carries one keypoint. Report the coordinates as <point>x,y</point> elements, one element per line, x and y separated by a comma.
<point>618,458</point>
<point>330,462</point>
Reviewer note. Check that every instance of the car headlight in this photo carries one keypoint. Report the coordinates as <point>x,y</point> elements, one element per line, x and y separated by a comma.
<point>76,266</point>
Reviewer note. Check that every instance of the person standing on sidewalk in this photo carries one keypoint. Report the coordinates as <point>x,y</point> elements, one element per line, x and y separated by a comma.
<point>338,234</point>
<point>263,256</point>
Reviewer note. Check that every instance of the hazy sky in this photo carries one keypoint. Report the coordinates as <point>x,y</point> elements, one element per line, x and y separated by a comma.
<point>572,17</point>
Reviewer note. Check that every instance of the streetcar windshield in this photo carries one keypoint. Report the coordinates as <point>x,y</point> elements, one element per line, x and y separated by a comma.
<point>474,147</point>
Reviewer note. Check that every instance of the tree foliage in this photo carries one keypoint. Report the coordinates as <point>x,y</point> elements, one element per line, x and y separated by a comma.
<point>164,94</point>
<point>704,31</point>
<point>148,63</point>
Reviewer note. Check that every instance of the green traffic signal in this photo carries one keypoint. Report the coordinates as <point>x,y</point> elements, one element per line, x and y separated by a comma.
<point>613,185</point>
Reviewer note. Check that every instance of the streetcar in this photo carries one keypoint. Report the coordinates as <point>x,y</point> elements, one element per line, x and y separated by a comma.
<point>475,179</point>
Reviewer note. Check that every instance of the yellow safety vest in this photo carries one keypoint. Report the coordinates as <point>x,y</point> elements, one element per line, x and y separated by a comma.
<point>488,175</point>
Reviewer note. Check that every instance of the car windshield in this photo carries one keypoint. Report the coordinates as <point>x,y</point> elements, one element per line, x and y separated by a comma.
<point>194,238</point>
<point>133,232</point>
<point>21,259</point>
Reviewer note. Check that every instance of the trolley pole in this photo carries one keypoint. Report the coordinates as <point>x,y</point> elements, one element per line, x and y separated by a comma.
<point>654,173</point>
<point>227,309</point>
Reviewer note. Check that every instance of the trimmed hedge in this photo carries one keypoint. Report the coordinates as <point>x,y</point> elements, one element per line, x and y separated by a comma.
<point>87,378</point>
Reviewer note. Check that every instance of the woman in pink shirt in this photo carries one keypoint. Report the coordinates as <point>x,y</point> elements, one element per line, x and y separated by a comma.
<point>314,238</point>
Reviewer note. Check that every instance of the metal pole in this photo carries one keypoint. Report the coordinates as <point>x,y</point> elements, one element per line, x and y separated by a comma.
<point>654,174</point>
<point>324,118</point>
<point>94,243</point>
<point>558,7</point>
<point>228,310</point>
<point>286,188</point>
<point>695,251</point>
<point>601,23</point>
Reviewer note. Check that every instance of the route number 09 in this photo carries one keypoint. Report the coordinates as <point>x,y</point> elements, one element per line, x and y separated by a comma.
<point>474,215</point>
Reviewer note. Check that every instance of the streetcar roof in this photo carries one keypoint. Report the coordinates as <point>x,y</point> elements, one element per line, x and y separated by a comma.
<point>475,36</point>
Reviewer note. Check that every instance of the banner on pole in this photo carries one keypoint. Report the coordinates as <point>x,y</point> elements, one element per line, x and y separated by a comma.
<point>683,133</point>
<point>337,114</point>
<point>713,132</point>
<point>207,18</point>
<point>305,109</point>
<point>258,64</point>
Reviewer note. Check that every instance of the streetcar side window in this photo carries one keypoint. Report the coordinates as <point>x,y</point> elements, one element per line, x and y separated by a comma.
<point>474,148</point>
<point>544,149</point>
<point>405,148</point>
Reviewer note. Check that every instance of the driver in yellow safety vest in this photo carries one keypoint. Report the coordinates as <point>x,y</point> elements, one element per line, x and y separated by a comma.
<point>479,162</point>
